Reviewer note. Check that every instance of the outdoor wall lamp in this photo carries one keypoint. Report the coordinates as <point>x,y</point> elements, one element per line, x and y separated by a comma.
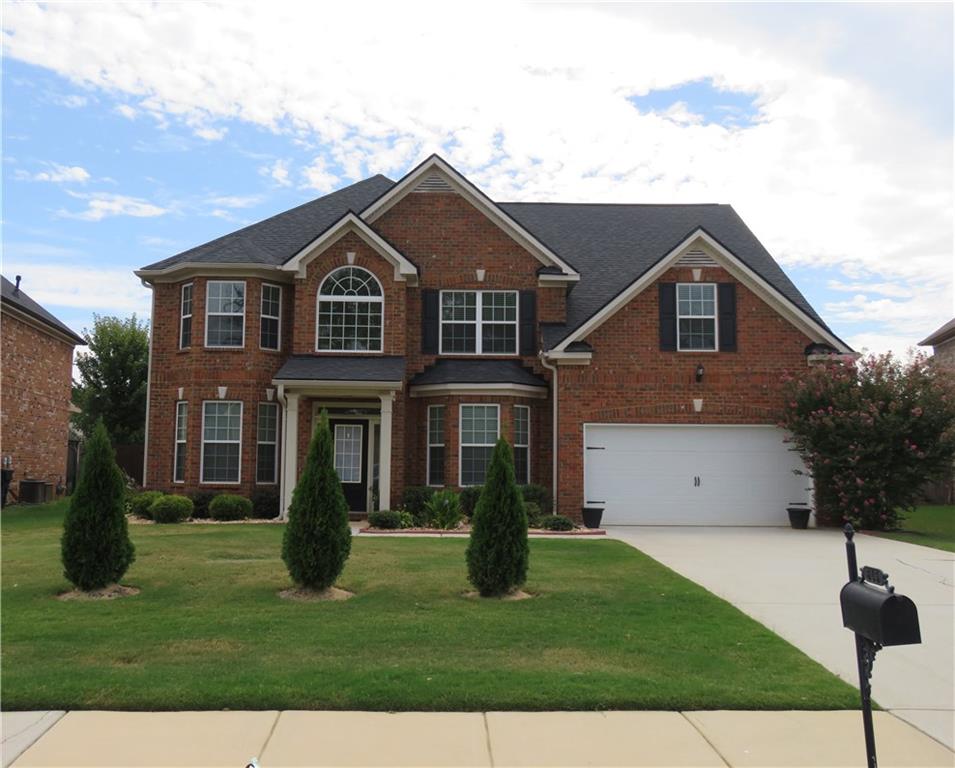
<point>699,373</point>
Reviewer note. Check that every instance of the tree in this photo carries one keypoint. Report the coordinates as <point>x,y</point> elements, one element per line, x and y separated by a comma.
<point>497,553</point>
<point>96,549</point>
<point>113,376</point>
<point>317,538</point>
<point>871,433</point>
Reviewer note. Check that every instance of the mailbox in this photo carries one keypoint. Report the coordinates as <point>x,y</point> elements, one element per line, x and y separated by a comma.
<point>879,614</point>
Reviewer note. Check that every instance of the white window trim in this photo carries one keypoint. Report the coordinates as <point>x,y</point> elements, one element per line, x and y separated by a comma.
<point>462,445</point>
<point>245,302</point>
<point>527,445</point>
<point>341,299</point>
<point>434,445</point>
<point>715,317</point>
<point>202,445</point>
<point>478,322</point>
<point>183,316</point>
<point>275,468</point>
<point>271,317</point>
<point>361,458</point>
<point>180,445</point>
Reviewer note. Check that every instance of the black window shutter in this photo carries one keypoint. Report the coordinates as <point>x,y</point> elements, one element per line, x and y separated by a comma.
<point>726,306</point>
<point>528,316</point>
<point>429,321</point>
<point>668,317</point>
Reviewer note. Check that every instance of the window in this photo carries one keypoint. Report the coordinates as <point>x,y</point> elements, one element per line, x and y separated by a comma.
<point>348,439</point>
<point>221,441</point>
<point>179,457</point>
<point>479,431</point>
<point>522,444</point>
<point>436,445</point>
<point>350,309</point>
<point>185,317</point>
<point>266,450</point>
<point>479,322</point>
<point>271,314</point>
<point>225,314</point>
<point>696,316</point>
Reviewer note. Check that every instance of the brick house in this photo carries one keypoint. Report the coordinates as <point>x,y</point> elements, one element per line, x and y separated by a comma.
<point>942,342</point>
<point>37,379</point>
<point>631,354</point>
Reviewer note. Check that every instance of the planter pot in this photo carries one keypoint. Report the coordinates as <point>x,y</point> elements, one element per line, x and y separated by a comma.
<point>592,516</point>
<point>798,517</point>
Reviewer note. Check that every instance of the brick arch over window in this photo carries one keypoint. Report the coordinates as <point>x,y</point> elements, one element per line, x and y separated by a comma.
<point>350,312</point>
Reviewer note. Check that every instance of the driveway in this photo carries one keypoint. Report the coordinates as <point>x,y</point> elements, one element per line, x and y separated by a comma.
<point>789,580</point>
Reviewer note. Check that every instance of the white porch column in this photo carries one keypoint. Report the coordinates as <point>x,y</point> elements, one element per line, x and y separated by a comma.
<point>384,460</point>
<point>289,452</point>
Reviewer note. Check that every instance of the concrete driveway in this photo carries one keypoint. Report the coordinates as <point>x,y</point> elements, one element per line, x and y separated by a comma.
<point>789,580</point>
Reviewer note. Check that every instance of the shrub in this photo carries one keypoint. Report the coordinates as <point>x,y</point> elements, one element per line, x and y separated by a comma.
<point>265,504</point>
<point>534,514</point>
<point>230,506</point>
<point>171,509</point>
<point>385,519</point>
<point>444,510</point>
<point>497,553</point>
<point>406,519</point>
<point>200,504</point>
<point>557,523</point>
<point>141,504</point>
<point>469,498</point>
<point>415,500</point>
<point>317,539</point>
<point>96,550</point>
<point>538,495</point>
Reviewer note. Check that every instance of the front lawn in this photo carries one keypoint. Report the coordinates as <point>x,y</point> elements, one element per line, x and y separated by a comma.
<point>612,629</point>
<point>930,526</point>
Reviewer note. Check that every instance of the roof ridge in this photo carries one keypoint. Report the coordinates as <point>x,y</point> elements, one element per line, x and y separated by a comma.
<point>619,205</point>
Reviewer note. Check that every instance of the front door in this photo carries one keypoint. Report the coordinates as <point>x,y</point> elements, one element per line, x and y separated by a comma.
<point>350,441</point>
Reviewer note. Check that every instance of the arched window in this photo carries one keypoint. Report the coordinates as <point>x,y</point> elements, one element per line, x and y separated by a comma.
<point>350,310</point>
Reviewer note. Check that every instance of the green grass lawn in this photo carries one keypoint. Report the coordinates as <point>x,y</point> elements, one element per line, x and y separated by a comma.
<point>930,526</point>
<point>611,628</point>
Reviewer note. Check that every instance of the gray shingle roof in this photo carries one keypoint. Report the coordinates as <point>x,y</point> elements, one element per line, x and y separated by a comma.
<point>342,368</point>
<point>478,372</point>
<point>18,299</point>
<point>947,331</point>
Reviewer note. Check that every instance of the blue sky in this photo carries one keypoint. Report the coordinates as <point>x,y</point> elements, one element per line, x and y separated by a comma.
<point>131,132</point>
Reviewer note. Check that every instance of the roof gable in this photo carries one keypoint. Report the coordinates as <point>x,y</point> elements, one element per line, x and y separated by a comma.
<point>14,298</point>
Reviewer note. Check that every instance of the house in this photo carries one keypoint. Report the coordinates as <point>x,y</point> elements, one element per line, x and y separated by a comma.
<point>36,379</point>
<point>942,342</point>
<point>631,354</point>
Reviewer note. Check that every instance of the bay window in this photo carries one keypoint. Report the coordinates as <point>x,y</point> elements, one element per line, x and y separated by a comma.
<point>266,447</point>
<point>522,444</point>
<point>478,432</point>
<point>436,445</point>
<point>271,313</point>
<point>221,441</point>
<point>225,313</point>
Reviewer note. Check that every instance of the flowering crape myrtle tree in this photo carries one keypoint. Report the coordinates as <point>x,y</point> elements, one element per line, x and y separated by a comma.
<point>871,432</point>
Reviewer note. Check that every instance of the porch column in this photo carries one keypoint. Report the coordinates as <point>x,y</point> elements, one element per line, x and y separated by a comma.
<point>384,459</point>
<point>290,452</point>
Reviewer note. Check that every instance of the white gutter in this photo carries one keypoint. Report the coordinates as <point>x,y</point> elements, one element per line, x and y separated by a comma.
<point>149,375</point>
<point>280,396</point>
<point>553,369</point>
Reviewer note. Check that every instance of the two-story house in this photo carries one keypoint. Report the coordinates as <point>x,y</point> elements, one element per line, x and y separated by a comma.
<point>631,354</point>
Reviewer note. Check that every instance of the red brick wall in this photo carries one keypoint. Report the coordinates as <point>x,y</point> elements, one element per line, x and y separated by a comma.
<point>36,375</point>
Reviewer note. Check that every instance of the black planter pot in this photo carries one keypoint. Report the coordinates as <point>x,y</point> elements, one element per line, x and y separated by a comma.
<point>592,516</point>
<point>798,517</point>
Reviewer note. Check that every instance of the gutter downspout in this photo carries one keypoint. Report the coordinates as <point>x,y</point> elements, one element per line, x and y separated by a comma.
<point>554,432</point>
<point>280,395</point>
<point>149,375</point>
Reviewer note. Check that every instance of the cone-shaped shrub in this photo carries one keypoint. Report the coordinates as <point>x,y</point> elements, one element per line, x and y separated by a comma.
<point>317,538</point>
<point>96,549</point>
<point>497,553</point>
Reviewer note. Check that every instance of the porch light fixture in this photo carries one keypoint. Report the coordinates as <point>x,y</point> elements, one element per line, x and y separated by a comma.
<point>480,275</point>
<point>222,391</point>
<point>270,394</point>
<point>697,404</point>
<point>700,370</point>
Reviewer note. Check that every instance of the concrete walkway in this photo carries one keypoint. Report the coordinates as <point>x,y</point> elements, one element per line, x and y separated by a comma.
<point>790,580</point>
<point>278,739</point>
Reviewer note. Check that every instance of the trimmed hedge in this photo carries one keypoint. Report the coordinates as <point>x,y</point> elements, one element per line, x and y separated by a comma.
<point>469,498</point>
<point>230,506</point>
<point>171,509</point>
<point>534,514</point>
<point>265,504</point>
<point>200,504</point>
<point>141,504</point>
<point>415,501</point>
<point>557,523</point>
<point>385,519</point>
<point>538,495</point>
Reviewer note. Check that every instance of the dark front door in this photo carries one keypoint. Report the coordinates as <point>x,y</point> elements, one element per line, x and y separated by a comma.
<point>350,443</point>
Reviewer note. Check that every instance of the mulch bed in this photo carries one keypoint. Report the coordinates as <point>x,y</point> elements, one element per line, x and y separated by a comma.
<point>109,592</point>
<point>300,595</point>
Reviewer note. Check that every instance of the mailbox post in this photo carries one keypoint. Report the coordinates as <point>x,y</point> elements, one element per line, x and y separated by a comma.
<point>878,617</point>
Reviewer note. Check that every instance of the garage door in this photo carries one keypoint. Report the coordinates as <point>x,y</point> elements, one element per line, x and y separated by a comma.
<point>690,475</point>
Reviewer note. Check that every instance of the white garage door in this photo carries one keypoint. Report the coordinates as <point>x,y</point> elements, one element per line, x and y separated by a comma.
<point>690,475</point>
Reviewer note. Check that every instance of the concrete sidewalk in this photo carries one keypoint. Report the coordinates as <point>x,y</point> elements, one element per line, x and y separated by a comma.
<point>277,739</point>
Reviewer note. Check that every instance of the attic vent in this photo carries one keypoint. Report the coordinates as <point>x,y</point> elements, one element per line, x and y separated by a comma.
<point>696,259</point>
<point>433,182</point>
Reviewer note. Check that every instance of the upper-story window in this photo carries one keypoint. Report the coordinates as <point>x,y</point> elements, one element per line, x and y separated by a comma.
<point>696,316</point>
<point>479,322</point>
<point>225,313</point>
<point>350,311</point>
<point>185,317</point>
<point>270,328</point>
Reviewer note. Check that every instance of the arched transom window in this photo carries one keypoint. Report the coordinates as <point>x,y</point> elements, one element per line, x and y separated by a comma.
<point>350,309</point>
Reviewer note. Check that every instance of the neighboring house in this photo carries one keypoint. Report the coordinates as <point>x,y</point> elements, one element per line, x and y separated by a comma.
<point>645,344</point>
<point>36,378</point>
<point>942,343</point>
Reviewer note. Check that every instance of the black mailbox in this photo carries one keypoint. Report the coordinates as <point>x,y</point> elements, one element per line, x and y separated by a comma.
<point>879,614</point>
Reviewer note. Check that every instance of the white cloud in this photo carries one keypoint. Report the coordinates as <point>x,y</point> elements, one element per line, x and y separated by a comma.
<point>62,285</point>
<point>317,176</point>
<point>58,174</point>
<point>70,101</point>
<point>210,134</point>
<point>101,205</point>
<point>126,111</point>
<point>235,201</point>
<point>278,172</point>
<point>883,289</point>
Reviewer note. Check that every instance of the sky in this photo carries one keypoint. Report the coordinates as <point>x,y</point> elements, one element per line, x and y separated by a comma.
<point>133,131</point>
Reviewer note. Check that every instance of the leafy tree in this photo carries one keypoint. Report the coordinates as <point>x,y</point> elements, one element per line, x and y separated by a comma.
<point>113,374</point>
<point>96,549</point>
<point>317,538</point>
<point>871,433</point>
<point>497,553</point>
